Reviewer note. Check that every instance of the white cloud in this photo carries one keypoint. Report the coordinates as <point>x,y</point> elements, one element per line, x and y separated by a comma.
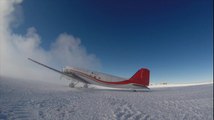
<point>16,48</point>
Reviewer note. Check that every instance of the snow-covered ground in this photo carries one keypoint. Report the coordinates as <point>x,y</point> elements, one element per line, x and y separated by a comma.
<point>22,99</point>
<point>179,84</point>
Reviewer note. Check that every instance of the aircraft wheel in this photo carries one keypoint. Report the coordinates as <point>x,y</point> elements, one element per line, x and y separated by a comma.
<point>85,86</point>
<point>71,85</point>
<point>134,90</point>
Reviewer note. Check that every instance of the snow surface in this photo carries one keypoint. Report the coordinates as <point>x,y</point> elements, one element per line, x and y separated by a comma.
<point>35,100</point>
<point>179,84</point>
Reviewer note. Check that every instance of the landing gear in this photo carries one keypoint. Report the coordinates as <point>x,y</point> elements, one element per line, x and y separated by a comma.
<point>73,84</point>
<point>85,86</point>
<point>78,85</point>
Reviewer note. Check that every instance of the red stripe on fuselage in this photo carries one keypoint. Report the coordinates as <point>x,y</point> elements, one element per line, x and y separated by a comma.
<point>101,81</point>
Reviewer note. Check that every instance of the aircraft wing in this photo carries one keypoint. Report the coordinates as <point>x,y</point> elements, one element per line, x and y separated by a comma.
<point>71,75</point>
<point>46,66</point>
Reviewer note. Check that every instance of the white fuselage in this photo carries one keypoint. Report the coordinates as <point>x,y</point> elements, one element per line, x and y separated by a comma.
<point>87,76</point>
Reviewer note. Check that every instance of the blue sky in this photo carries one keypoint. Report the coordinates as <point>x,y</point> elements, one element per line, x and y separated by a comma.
<point>172,38</point>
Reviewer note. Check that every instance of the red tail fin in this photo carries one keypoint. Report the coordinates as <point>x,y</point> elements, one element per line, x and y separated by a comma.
<point>141,77</point>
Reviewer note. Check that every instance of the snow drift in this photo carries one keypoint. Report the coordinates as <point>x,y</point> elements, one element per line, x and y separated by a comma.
<point>39,100</point>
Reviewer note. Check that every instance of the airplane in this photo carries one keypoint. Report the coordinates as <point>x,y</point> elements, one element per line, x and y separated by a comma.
<point>138,82</point>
